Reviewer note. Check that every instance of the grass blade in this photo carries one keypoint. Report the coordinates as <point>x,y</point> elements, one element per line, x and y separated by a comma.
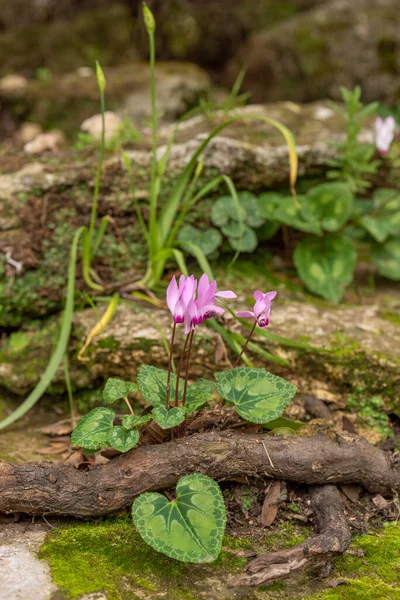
<point>61,347</point>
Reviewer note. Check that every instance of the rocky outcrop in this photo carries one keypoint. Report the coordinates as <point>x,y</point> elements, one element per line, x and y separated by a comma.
<point>44,200</point>
<point>309,56</point>
<point>71,98</point>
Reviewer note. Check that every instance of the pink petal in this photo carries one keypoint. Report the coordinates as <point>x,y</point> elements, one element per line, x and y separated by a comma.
<point>188,291</point>
<point>260,306</point>
<point>172,294</point>
<point>211,308</point>
<point>226,294</point>
<point>258,295</point>
<point>204,284</point>
<point>270,295</point>
<point>245,313</point>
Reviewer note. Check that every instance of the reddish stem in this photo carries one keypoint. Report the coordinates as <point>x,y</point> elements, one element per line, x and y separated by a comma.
<point>178,373</point>
<point>187,367</point>
<point>244,347</point>
<point>170,367</point>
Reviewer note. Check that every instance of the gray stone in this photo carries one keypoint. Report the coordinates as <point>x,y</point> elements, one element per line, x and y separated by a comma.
<point>339,42</point>
<point>22,575</point>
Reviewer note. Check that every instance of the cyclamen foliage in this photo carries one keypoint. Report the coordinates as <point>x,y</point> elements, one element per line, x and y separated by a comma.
<point>191,527</point>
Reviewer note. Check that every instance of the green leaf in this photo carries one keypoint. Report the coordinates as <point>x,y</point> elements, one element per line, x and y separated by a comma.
<point>131,421</point>
<point>259,396</point>
<point>326,265</point>
<point>242,239</point>
<point>152,383</point>
<point>208,240</point>
<point>387,258</point>
<point>93,429</point>
<point>167,419</point>
<point>289,211</point>
<point>332,202</point>
<point>198,394</point>
<point>251,205</point>
<point>122,440</point>
<point>116,389</point>
<point>189,528</point>
<point>282,423</point>
<point>383,219</point>
<point>225,210</point>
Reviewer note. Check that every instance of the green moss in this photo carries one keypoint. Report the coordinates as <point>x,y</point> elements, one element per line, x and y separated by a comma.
<point>391,317</point>
<point>111,557</point>
<point>372,570</point>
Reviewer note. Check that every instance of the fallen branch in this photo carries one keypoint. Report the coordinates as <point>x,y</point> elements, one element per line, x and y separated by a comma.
<point>333,539</point>
<point>55,488</point>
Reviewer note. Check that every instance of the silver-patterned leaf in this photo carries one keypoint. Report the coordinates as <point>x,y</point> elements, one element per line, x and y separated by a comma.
<point>93,429</point>
<point>258,396</point>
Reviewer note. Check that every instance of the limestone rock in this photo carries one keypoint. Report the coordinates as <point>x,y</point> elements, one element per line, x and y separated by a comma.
<point>339,42</point>
<point>28,132</point>
<point>70,99</point>
<point>50,141</point>
<point>93,125</point>
<point>13,85</point>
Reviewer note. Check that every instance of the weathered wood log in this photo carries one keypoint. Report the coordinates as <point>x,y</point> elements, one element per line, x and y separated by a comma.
<point>55,488</point>
<point>334,538</point>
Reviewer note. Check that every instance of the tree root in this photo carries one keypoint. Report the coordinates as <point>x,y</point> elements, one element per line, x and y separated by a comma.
<point>333,539</point>
<point>55,488</point>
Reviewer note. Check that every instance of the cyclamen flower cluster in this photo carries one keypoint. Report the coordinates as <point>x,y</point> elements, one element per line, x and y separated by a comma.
<point>186,308</point>
<point>191,302</point>
<point>384,133</point>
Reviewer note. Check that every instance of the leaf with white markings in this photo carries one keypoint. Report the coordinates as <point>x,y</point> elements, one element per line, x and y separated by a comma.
<point>167,419</point>
<point>116,389</point>
<point>122,440</point>
<point>93,429</point>
<point>152,383</point>
<point>258,396</point>
<point>189,528</point>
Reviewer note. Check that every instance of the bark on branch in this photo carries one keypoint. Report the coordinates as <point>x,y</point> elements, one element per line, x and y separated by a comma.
<point>333,539</point>
<point>55,488</point>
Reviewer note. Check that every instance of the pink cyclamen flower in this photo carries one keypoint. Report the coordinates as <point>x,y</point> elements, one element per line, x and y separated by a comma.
<point>262,308</point>
<point>204,307</point>
<point>384,133</point>
<point>180,295</point>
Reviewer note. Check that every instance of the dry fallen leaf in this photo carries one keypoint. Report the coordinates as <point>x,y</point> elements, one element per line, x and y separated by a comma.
<point>352,492</point>
<point>271,504</point>
<point>380,502</point>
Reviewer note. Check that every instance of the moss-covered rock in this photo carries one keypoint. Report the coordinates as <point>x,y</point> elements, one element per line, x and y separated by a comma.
<point>311,55</point>
<point>66,100</point>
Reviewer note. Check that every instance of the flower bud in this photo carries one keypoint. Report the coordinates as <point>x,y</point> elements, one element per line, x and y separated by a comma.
<point>101,80</point>
<point>149,19</point>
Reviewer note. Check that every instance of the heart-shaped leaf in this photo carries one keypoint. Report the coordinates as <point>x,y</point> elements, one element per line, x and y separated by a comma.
<point>122,440</point>
<point>387,258</point>
<point>288,211</point>
<point>93,429</point>
<point>241,238</point>
<point>131,421</point>
<point>191,527</point>
<point>153,385</point>
<point>168,418</point>
<point>383,220</point>
<point>208,240</point>
<point>198,394</point>
<point>332,202</point>
<point>326,265</point>
<point>116,389</point>
<point>259,396</point>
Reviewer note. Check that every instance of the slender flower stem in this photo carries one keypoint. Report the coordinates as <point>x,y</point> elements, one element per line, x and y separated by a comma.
<point>170,367</point>
<point>187,366</point>
<point>129,405</point>
<point>98,175</point>
<point>178,372</point>
<point>244,347</point>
